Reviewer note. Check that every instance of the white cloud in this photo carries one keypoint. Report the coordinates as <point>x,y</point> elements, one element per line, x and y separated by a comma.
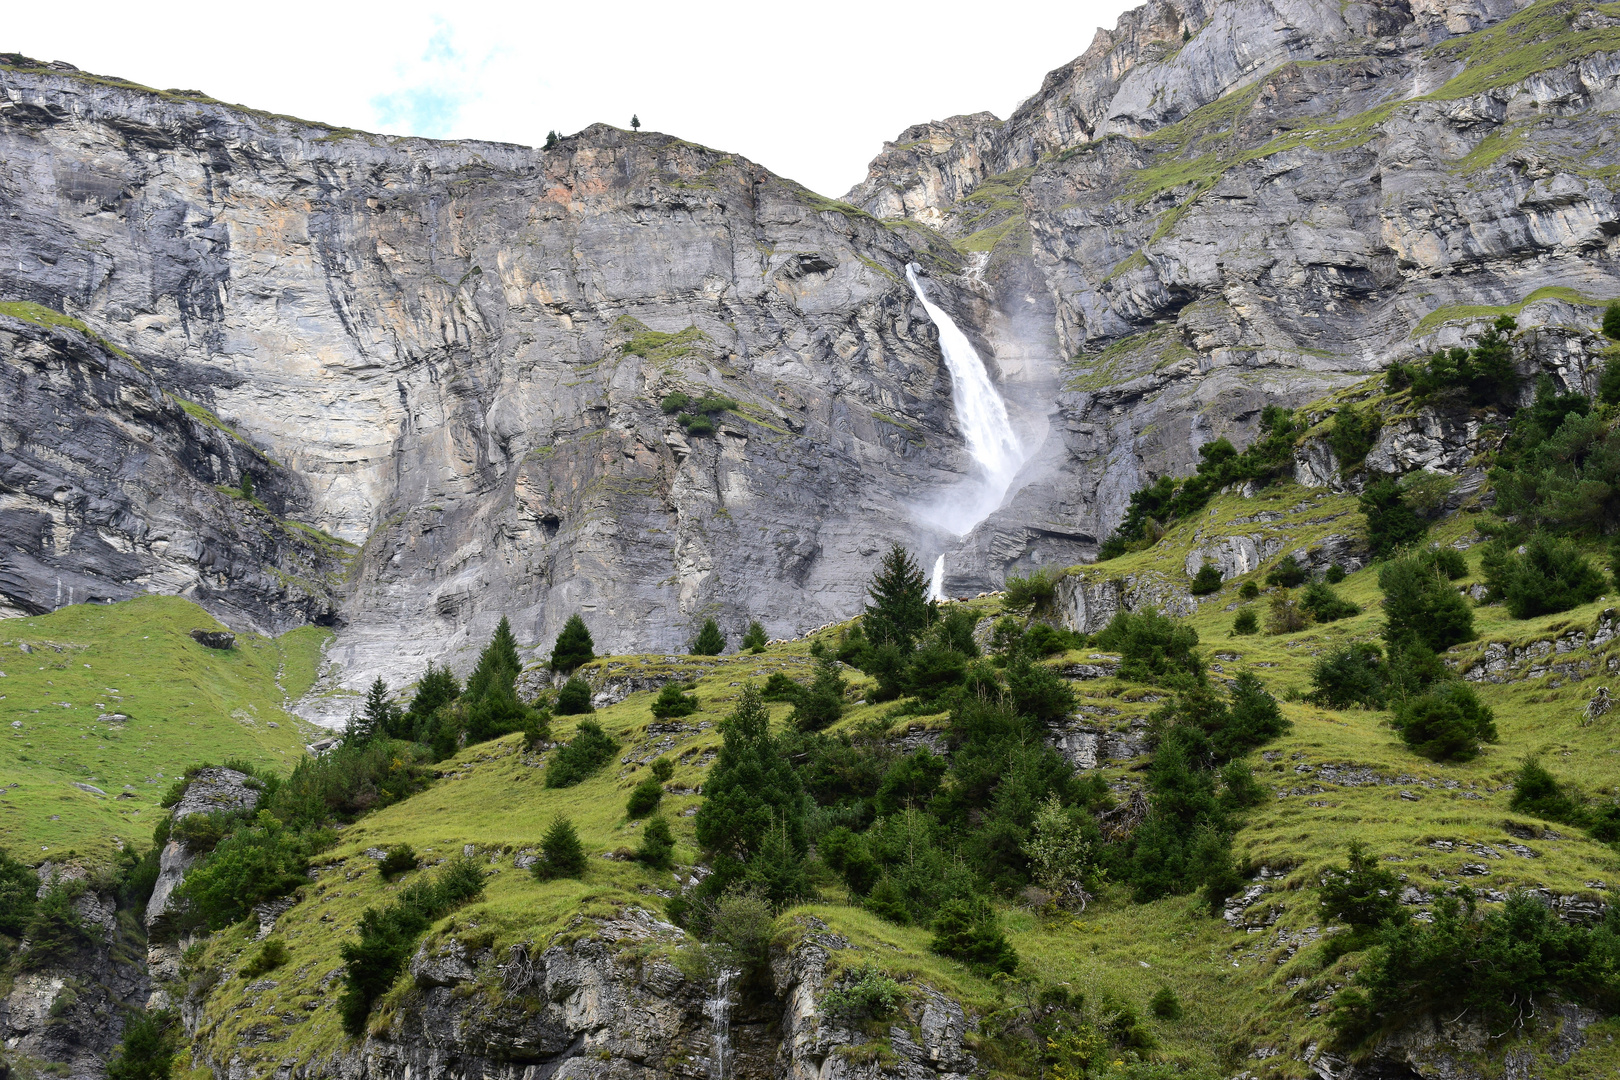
<point>808,90</point>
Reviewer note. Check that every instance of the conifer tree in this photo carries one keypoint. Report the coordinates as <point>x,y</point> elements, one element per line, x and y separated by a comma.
<point>754,640</point>
<point>657,843</point>
<point>574,646</point>
<point>491,700</point>
<point>378,718</point>
<point>751,791</point>
<point>898,613</point>
<point>247,486</point>
<point>823,703</point>
<point>673,701</point>
<point>551,140</point>
<point>635,122</point>
<point>561,853</point>
<point>710,641</point>
<point>437,687</point>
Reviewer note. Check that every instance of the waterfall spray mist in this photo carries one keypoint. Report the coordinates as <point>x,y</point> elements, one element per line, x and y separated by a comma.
<point>982,415</point>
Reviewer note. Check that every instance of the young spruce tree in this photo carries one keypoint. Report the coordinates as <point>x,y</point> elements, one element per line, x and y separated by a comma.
<point>574,646</point>
<point>710,641</point>
<point>898,612</point>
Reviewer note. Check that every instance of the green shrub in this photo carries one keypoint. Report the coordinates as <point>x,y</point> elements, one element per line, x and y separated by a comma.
<point>1036,592</point>
<point>271,955</point>
<point>1285,614</point>
<point>1354,432</point>
<point>574,699</point>
<point>696,426</point>
<point>663,769</point>
<point>388,937</point>
<point>1421,605</point>
<point>148,1048</point>
<point>200,832</point>
<point>254,864</point>
<point>822,703</point>
<point>1152,647</point>
<point>1498,970</point>
<point>562,855</point>
<point>1560,471</point>
<point>573,647</point>
<point>1361,895</point>
<point>54,931</point>
<point>398,859</point>
<point>1484,374</point>
<point>1248,591</point>
<point>18,886</point>
<point>754,640</point>
<point>676,402</point>
<point>589,750</point>
<point>1537,792</point>
<point>1446,561</point>
<point>673,701</point>
<point>1334,574</point>
<point>864,995</point>
<point>1043,639</point>
<point>1165,1004</point>
<point>1286,572</point>
<point>1352,675</point>
<point>778,687</point>
<point>657,846</point>
<point>740,926</point>
<point>1207,580</point>
<point>1245,621</point>
<point>1551,576</point>
<point>1446,724</point>
<point>1609,381</point>
<point>1391,523</point>
<point>1325,605</point>
<point>709,641</point>
<point>644,798</point>
<point>966,930</point>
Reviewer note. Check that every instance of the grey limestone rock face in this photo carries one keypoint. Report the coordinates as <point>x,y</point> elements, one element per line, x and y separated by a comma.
<point>110,488</point>
<point>454,356</point>
<point>1196,266</point>
<point>70,1010</point>
<point>213,790</point>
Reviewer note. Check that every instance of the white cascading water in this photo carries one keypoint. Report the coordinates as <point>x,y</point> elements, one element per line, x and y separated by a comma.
<point>983,417</point>
<point>936,587</point>
<point>718,1010</point>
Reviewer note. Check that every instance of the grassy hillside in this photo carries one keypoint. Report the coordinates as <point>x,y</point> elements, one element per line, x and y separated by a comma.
<point>118,697</point>
<point>1247,991</point>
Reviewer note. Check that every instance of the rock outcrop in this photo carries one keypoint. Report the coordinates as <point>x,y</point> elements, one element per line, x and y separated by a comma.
<point>67,1009</point>
<point>211,791</point>
<point>617,998</point>
<point>1223,205</point>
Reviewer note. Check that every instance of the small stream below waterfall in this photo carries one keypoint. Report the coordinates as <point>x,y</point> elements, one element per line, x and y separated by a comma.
<point>718,1009</point>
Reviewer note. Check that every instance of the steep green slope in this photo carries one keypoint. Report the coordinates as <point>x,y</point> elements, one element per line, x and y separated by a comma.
<point>1254,994</point>
<point>111,702</point>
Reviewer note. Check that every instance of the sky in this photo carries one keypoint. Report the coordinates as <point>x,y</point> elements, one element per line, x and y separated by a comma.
<point>811,91</point>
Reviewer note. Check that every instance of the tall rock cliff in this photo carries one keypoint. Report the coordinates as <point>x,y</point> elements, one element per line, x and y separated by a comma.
<point>1220,206</point>
<point>452,356</point>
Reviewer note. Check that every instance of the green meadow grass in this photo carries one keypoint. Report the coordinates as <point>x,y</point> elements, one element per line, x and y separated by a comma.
<point>184,703</point>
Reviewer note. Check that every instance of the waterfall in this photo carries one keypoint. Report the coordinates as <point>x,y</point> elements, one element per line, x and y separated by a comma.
<point>983,417</point>
<point>936,587</point>
<point>718,1010</point>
